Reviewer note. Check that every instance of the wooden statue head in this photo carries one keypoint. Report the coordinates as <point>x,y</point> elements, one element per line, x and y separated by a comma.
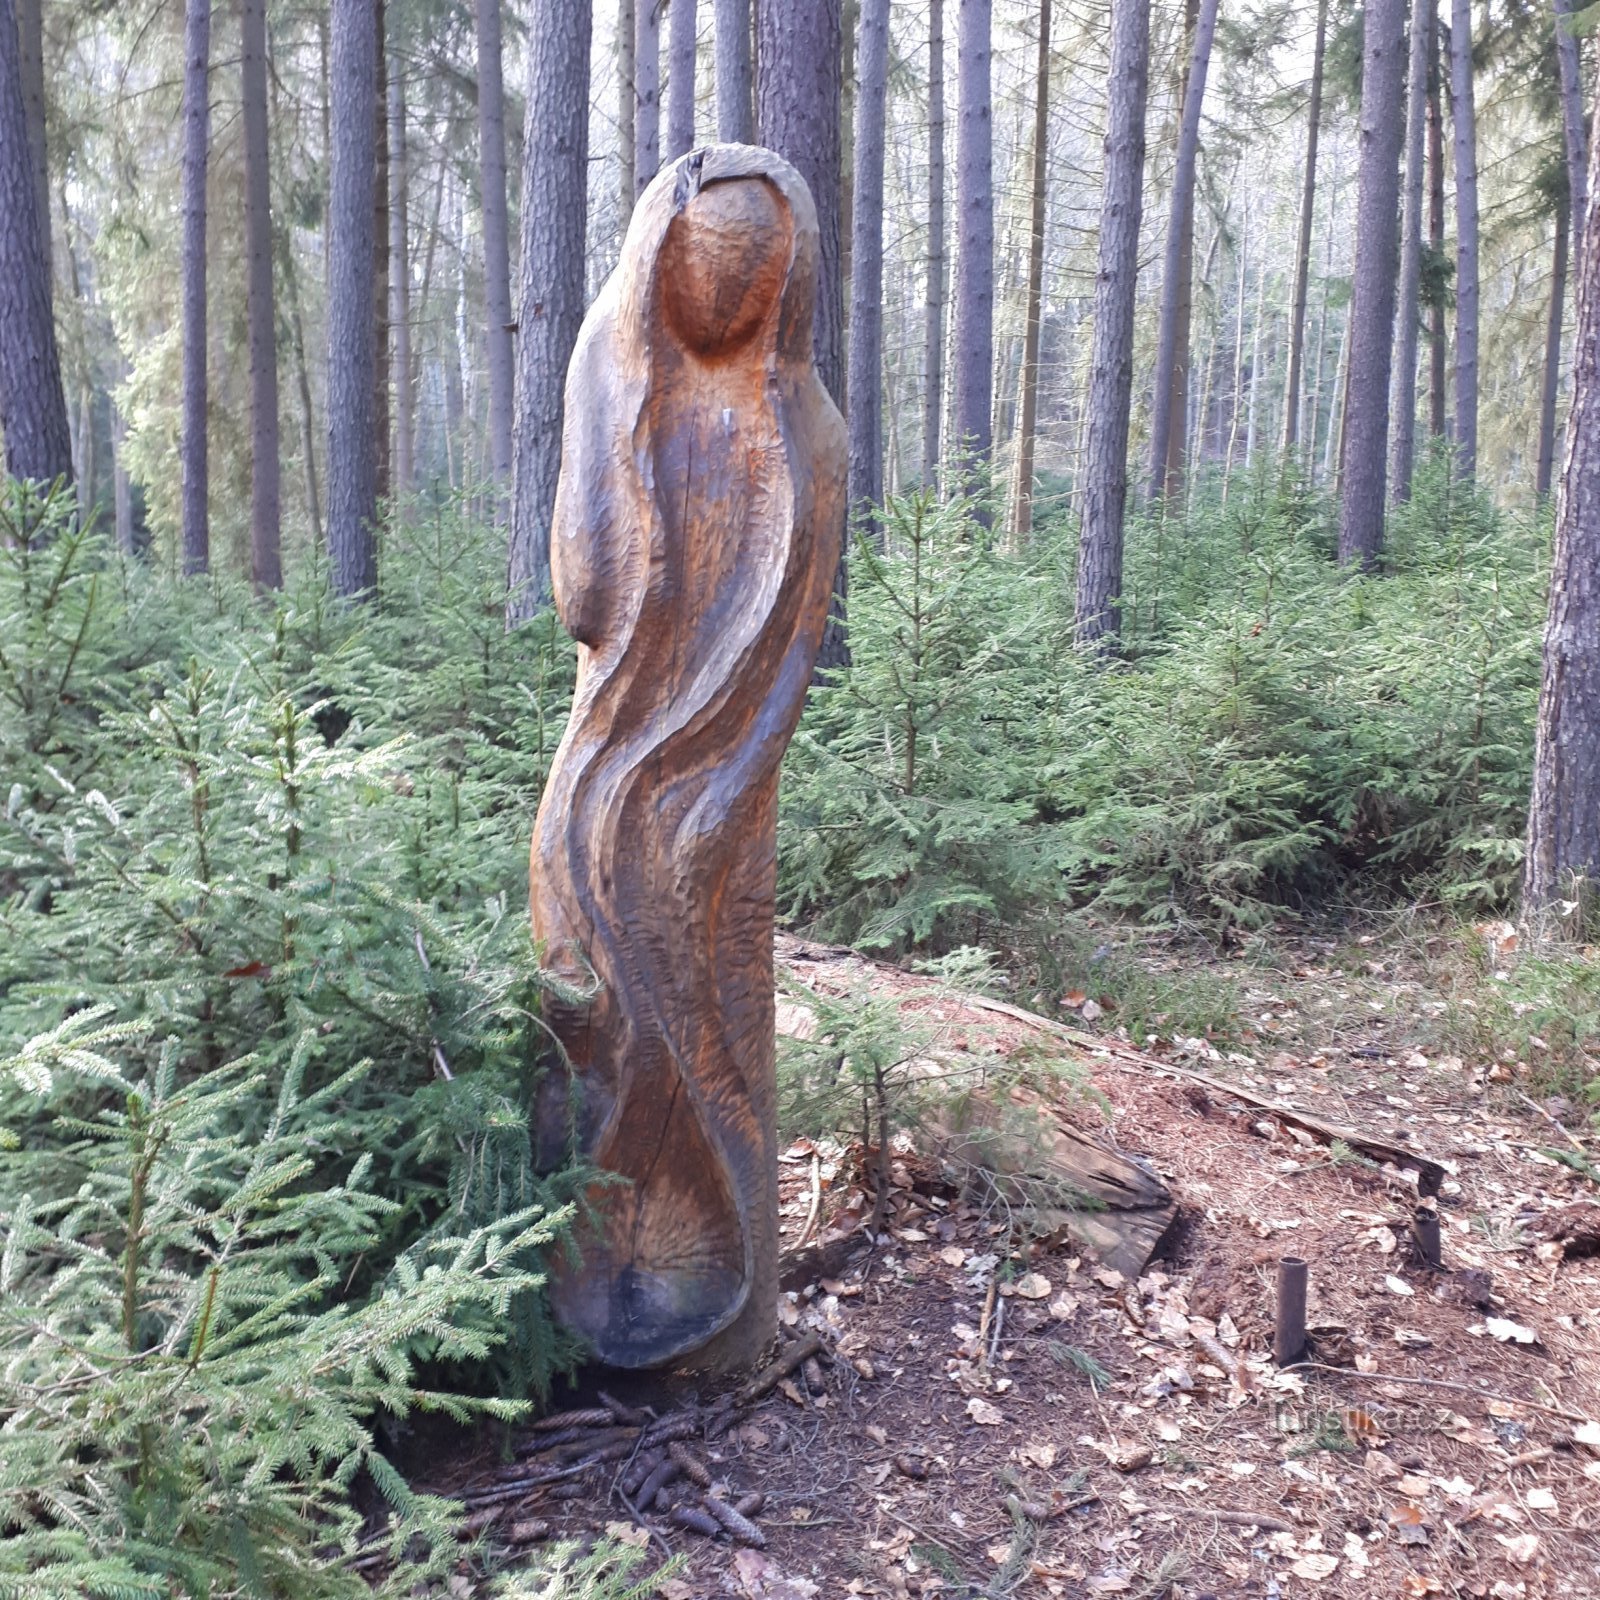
<point>697,532</point>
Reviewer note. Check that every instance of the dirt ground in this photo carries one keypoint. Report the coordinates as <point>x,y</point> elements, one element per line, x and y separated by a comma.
<point>990,1416</point>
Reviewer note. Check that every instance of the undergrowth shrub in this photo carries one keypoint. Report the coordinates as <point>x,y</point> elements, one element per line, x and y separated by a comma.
<point>1273,733</point>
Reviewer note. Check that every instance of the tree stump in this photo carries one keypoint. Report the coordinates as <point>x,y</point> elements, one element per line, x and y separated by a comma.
<point>697,531</point>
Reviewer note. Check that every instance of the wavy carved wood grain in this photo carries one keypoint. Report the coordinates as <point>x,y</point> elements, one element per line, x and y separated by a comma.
<point>697,530</point>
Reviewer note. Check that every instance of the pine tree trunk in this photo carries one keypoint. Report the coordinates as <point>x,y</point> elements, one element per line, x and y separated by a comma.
<point>1022,497</point>
<point>1563,851</point>
<point>681,53</point>
<point>973,356</point>
<point>646,93</point>
<point>30,44</point>
<point>555,159</point>
<point>1551,387</point>
<point>865,383</point>
<point>1235,410</point>
<point>1372,294</point>
<point>308,426</point>
<point>1302,258</point>
<point>1438,337</point>
<point>933,304</point>
<point>382,448</point>
<point>1408,305</point>
<point>1105,456</point>
<point>1569,67</point>
<point>799,59</point>
<point>1172,341</point>
<point>496,246</point>
<point>400,359</point>
<point>196,517</point>
<point>735,80</point>
<point>1464,118</point>
<point>627,103</point>
<point>266,489</point>
<point>352,333</point>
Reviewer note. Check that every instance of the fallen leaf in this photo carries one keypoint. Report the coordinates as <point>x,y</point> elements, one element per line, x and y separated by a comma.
<point>1542,1499</point>
<point>1413,1486</point>
<point>1064,1307</point>
<point>1039,1454</point>
<point>984,1414</point>
<point>1414,1586</point>
<point>1032,1286</point>
<point>1587,1433</point>
<point>629,1533</point>
<point>1316,1567</point>
<point>762,1578</point>
<point>1397,1285</point>
<point>1411,1339</point>
<point>952,1255</point>
<point>1509,1332</point>
<point>1521,1547</point>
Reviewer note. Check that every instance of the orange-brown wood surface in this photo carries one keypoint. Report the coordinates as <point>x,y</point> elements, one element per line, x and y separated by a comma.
<point>697,531</point>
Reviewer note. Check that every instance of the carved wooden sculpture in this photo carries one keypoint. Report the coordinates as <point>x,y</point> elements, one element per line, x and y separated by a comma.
<point>697,530</point>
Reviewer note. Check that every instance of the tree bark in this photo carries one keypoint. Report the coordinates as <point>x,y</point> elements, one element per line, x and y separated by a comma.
<point>646,93</point>
<point>798,64</point>
<point>1105,468</point>
<point>681,54</point>
<point>1302,259</point>
<point>1438,336</point>
<point>933,304</point>
<point>1166,427</point>
<point>865,380</point>
<point>196,520</point>
<point>400,368</point>
<point>1563,851</point>
<point>1569,67</point>
<point>1366,421</point>
<point>1551,387</point>
<point>496,247</point>
<point>735,80</point>
<point>1464,119</point>
<point>555,159</point>
<point>1408,313</point>
<point>30,44</point>
<point>121,484</point>
<point>973,356</point>
<point>33,405</point>
<point>382,448</point>
<point>1028,382</point>
<point>352,335</point>
<point>266,489</point>
<point>627,25</point>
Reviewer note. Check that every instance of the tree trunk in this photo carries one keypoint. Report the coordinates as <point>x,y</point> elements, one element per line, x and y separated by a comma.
<point>865,385</point>
<point>1408,304</point>
<point>1028,383</point>
<point>121,484</point>
<point>496,247</point>
<point>555,159</point>
<point>382,449</point>
<point>1563,852</point>
<point>627,25</point>
<point>266,558</point>
<point>974,301</point>
<point>933,305</point>
<point>352,335</point>
<point>1552,356</point>
<point>681,53</point>
<point>1570,69</point>
<point>735,97</point>
<point>1302,259</point>
<point>798,64</point>
<point>1366,419</point>
<point>1438,338</point>
<point>30,44</point>
<point>1105,464</point>
<point>400,379</point>
<point>646,93</point>
<point>1166,427</point>
<point>1466,158</point>
<point>196,517</point>
<point>308,426</point>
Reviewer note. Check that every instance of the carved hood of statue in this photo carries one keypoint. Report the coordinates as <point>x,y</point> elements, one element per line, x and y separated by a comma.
<point>696,536</point>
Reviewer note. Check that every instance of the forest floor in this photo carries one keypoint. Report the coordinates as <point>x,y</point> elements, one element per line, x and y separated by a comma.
<point>990,1416</point>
